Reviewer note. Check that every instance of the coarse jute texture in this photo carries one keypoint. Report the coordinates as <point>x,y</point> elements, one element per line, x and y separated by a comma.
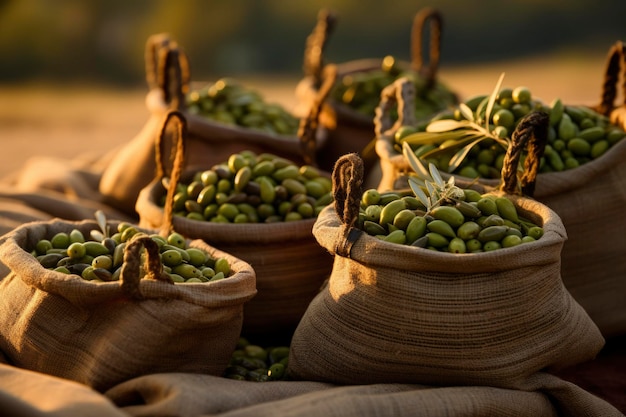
<point>590,201</point>
<point>101,334</point>
<point>400,314</point>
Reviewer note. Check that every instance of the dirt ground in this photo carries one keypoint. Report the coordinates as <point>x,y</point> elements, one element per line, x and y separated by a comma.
<point>66,121</point>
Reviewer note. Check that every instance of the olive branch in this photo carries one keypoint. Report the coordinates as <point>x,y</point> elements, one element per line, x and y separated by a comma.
<point>438,190</point>
<point>465,133</point>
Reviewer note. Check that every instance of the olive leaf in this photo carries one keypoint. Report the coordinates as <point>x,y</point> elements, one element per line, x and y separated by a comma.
<point>461,139</point>
<point>466,112</point>
<point>436,176</point>
<point>429,138</point>
<point>492,100</point>
<point>445,125</point>
<point>414,162</point>
<point>417,190</point>
<point>432,191</point>
<point>101,219</point>
<point>458,157</point>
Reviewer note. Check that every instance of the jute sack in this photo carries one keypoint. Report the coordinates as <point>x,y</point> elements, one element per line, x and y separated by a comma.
<point>102,334</point>
<point>589,200</point>
<point>401,314</point>
<point>210,142</point>
<point>182,394</point>
<point>290,266</point>
<point>349,130</point>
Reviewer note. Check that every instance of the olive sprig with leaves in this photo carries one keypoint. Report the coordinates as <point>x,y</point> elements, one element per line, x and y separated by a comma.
<point>438,190</point>
<point>466,133</point>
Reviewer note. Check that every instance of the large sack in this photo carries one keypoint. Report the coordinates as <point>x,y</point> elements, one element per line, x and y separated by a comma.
<point>27,393</point>
<point>589,200</point>
<point>167,73</point>
<point>290,266</point>
<point>101,334</point>
<point>184,395</point>
<point>396,313</point>
<point>349,128</point>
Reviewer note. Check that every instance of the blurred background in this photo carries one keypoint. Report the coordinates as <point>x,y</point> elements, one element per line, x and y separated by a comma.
<point>75,67</point>
<point>101,41</point>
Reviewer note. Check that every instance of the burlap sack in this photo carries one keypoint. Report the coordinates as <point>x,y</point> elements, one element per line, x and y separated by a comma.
<point>184,395</point>
<point>588,199</point>
<point>101,334</point>
<point>210,142</point>
<point>400,314</point>
<point>290,266</point>
<point>348,130</point>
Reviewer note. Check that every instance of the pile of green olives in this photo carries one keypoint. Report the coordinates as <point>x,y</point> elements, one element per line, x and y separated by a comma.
<point>473,223</point>
<point>576,135</point>
<point>361,91</point>
<point>101,260</point>
<point>228,101</point>
<point>253,188</point>
<point>252,362</point>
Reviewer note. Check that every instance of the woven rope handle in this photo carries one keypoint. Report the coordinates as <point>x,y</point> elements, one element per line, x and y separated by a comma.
<point>167,69</point>
<point>176,121</point>
<point>153,45</point>
<point>614,69</point>
<point>531,134</point>
<point>398,95</point>
<point>347,180</point>
<point>316,44</point>
<point>309,125</point>
<point>130,275</point>
<point>435,18</point>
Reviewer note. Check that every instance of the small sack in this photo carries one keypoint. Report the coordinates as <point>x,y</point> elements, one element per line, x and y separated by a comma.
<point>290,266</point>
<point>350,130</point>
<point>210,142</point>
<point>396,313</point>
<point>102,334</point>
<point>589,200</point>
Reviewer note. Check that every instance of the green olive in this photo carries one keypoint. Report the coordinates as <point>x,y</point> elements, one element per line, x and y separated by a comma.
<point>60,240</point>
<point>76,250</point>
<point>176,239</point>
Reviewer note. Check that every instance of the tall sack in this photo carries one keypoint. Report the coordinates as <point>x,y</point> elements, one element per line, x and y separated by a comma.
<point>102,334</point>
<point>168,78</point>
<point>589,200</point>
<point>290,266</point>
<point>400,314</point>
<point>349,130</point>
